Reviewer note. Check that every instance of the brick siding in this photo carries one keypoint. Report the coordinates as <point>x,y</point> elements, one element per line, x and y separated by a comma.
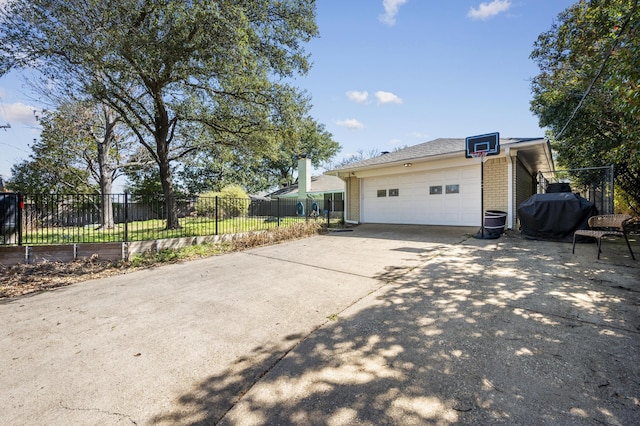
<point>496,184</point>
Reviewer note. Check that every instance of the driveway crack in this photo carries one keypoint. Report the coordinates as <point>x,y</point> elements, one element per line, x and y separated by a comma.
<point>98,410</point>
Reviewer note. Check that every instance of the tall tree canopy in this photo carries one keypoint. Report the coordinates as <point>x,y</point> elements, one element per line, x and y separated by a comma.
<point>211,170</point>
<point>60,161</point>
<point>588,89</point>
<point>80,151</point>
<point>309,139</point>
<point>167,65</point>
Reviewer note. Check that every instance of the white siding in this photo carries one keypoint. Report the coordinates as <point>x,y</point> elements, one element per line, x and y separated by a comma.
<point>414,203</point>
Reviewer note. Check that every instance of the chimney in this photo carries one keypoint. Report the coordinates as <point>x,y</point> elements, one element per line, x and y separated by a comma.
<point>304,176</point>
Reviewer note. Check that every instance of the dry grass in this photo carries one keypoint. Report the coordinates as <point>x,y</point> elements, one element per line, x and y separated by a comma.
<point>18,280</point>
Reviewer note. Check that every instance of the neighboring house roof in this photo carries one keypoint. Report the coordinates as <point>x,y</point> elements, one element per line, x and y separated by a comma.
<point>319,185</point>
<point>434,148</point>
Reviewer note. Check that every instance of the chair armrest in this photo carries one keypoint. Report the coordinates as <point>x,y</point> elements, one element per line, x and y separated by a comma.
<point>631,225</point>
<point>608,221</point>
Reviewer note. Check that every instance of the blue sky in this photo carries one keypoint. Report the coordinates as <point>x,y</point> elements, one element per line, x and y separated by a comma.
<point>391,73</point>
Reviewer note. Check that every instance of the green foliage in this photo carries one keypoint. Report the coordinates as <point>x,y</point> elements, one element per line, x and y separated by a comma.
<point>588,89</point>
<point>257,169</point>
<point>307,138</point>
<point>151,258</point>
<point>182,75</point>
<point>151,230</point>
<point>231,201</point>
<point>233,191</point>
<point>144,184</point>
<point>38,176</point>
<point>57,163</point>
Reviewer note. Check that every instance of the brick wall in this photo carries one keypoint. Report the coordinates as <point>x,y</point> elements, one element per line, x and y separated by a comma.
<point>496,185</point>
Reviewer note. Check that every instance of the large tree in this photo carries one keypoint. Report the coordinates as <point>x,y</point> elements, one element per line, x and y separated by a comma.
<point>587,89</point>
<point>217,166</point>
<point>81,149</point>
<point>309,139</point>
<point>165,65</point>
<point>57,160</point>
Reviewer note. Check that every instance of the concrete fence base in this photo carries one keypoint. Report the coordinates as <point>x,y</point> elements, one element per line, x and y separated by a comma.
<point>102,251</point>
<point>62,253</point>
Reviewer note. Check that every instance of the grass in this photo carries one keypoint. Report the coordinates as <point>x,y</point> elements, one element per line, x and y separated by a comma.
<point>156,229</point>
<point>184,253</point>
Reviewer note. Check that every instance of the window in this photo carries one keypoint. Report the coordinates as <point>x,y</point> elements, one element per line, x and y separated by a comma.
<point>453,189</point>
<point>394,192</point>
<point>382,193</point>
<point>435,190</point>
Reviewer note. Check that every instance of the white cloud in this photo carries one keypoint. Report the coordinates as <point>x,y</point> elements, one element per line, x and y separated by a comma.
<point>19,113</point>
<point>350,123</point>
<point>387,98</point>
<point>356,96</point>
<point>419,135</point>
<point>391,8</point>
<point>488,10</point>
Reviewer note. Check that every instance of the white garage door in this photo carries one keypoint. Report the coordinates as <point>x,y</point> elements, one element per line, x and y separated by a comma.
<point>439,197</point>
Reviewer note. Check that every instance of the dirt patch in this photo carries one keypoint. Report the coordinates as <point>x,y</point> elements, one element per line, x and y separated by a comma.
<point>22,279</point>
<point>18,280</point>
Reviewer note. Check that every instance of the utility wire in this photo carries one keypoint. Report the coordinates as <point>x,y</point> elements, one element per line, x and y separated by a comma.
<point>601,69</point>
<point>4,111</point>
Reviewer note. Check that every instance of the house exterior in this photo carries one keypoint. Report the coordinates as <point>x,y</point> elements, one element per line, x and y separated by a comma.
<point>319,188</point>
<point>433,183</point>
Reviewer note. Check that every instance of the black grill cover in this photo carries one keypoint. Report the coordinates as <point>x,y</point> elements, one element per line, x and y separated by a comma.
<point>555,216</point>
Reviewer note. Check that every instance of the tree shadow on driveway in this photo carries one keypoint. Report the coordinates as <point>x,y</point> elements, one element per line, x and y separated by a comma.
<point>480,333</point>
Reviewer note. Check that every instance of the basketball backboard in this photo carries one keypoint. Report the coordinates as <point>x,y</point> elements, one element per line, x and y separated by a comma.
<point>489,144</point>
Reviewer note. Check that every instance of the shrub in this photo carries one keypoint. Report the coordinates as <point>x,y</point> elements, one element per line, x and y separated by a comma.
<point>285,233</point>
<point>233,201</point>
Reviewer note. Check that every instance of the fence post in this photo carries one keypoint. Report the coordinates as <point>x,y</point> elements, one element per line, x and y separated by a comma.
<point>612,186</point>
<point>278,210</point>
<point>126,217</point>
<point>19,218</point>
<point>216,216</point>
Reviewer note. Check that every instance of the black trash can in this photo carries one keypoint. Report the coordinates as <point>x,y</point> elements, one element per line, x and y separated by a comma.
<point>8,218</point>
<point>494,221</point>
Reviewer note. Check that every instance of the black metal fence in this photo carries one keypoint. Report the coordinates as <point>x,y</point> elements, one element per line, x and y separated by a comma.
<point>37,219</point>
<point>593,183</point>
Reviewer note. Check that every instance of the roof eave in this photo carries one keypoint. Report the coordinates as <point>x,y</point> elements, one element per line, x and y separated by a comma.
<point>425,158</point>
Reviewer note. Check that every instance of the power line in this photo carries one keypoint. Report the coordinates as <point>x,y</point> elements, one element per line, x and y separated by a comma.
<point>601,69</point>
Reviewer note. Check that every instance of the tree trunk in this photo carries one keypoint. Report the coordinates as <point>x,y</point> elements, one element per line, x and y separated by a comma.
<point>107,220</point>
<point>106,184</point>
<point>166,179</point>
<point>170,202</point>
<point>104,167</point>
<point>161,134</point>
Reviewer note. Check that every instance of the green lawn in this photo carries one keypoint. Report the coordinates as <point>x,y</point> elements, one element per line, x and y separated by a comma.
<point>155,229</point>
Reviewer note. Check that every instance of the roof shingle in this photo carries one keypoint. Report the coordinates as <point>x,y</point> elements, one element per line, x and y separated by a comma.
<point>432,148</point>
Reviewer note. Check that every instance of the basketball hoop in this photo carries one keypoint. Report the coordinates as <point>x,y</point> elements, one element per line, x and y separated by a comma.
<point>481,156</point>
<point>478,154</point>
<point>480,147</point>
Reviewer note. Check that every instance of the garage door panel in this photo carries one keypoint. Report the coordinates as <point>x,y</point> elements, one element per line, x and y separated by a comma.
<point>416,205</point>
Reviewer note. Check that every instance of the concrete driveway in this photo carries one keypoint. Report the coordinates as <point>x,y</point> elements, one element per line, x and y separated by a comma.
<point>382,325</point>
